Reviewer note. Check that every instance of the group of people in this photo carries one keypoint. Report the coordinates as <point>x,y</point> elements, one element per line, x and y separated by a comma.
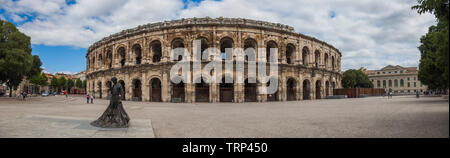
<point>89,97</point>
<point>24,94</point>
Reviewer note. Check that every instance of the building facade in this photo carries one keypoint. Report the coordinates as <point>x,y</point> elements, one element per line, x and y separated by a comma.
<point>398,79</point>
<point>141,60</point>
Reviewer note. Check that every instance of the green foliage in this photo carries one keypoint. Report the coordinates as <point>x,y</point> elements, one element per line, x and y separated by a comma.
<point>84,84</point>
<point>70,83</point>
<point>355,79</point>
<point>79,83</point>
<point>39,79</point>
<point>434,62</point>
<point>16,61</point>
<point>54,82</point>
<point>62,82</point>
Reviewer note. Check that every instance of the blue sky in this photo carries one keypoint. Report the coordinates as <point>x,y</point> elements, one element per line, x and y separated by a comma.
<point>370,33</point>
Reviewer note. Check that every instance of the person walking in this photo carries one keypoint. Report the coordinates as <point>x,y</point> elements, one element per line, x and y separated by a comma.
<point>87,98</point>
<point>92,99</point>
<point>66,93</point>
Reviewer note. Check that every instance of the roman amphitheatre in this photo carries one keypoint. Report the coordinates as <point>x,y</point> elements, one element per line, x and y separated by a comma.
<point>141,59</point>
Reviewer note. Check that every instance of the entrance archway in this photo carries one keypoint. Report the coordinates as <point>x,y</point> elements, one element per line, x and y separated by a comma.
<point>226,91</point>
<point>250,91</point>
<point>155,90</point>
<point>122,83</point>
<point>274,96</point>
<point>137,91</point>
<point>201,91</point>
<point>318,87</point>
<point>178,91</point>
<point>306,90</point>
<point>327,88</point>
<point>291,89</point>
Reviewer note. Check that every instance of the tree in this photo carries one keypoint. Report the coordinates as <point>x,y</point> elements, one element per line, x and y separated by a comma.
<point>62,83</point>
<point>70,84</point>
<point>79,83</point>
<point>39,79</point>
<point>54,82</point>
<point>356,79</point>
<point>16,60</point>
<point>84,84</point>
<point>434,63</point>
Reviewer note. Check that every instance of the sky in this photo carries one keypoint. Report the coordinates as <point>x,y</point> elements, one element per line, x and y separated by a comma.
<point>368,33</point>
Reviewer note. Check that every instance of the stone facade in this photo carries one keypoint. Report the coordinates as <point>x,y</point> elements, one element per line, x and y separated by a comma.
<point>401,80</point>
<point>141,60</point>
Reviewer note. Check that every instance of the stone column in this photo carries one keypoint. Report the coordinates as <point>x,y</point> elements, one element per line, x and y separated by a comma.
<point>166,87</point>
<point>282,89</point>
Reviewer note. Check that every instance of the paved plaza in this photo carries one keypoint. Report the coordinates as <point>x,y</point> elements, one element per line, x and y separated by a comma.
<point>402,116</point>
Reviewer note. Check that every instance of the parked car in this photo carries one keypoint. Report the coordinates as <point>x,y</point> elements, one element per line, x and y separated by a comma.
<point>44,94</point>
<point>55,93</point>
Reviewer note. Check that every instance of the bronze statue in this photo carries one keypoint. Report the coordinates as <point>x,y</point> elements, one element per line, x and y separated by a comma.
<point>115,115</point>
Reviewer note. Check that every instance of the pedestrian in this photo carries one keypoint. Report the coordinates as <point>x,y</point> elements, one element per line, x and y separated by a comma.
<point>24,95</point>
<point>390,94</point>
<point>417,94</point>
<point>66,93</point>
<point>87,98</point>
<point>92,99</point>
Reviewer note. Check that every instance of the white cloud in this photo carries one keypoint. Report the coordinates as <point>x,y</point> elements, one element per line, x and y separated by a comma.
<point>369,33</point>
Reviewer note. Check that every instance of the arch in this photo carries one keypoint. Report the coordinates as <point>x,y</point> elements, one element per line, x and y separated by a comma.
<point>109,58</point>
<point>290,53</point>
<point>395,83</point>
<point>201,91</point>
<point>270,44</point>
<point>402,83</point>
<point>327,88</point>
<point>318,87</point>
<point>178,91</point>
<point>306,90</point>
<point>250,43</point>
<point>109,87</point>
<point>226,91</point>
<point>204,45</point>
<point>291,89</point>
<point>137,51</point>
<point>156,49</point>
<point>274,96</point>
<point>122,83</point>
<point>332,62</point>
<point>99,85</point>
<point>122,55</point>
<point>137,90</point>
<point>317,58</point>
<point>226,42</point>
<point>325,60</point>
<point>100,60</point>
<point>155,90</point>
<point>250,92</point>
<point>305,53</point>
<point>177,43</point>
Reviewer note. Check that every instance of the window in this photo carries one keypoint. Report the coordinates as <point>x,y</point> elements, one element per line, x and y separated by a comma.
<point>414,84</point>
<point>395,72</point>
<point>401,71</point>
<point>408,78</point>
<point>409,85</point>
<point>402,84</point>
<point>390,83</point>
<point>378,72</point>
<point>414,78</point>
<point>378,83</point>
<point>384,83</point>
<point>395,83</point>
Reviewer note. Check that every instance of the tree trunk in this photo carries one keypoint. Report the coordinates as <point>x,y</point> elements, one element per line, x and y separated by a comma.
<point>10,91</point>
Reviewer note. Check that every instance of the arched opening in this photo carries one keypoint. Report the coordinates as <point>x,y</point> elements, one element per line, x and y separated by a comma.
<point>291,89</point>
<point>178,92</point>
<point>305,52</point>
<point>109,58</point>
<point>137,53</point>
<point>204,45</point>
<point>226,42</point>
<point>250,91</point>
<point>121,52</point>
<point>325,60</point>
<point>100,60</point>
<point>122,83</point>
<point>99,84</point>
<point>395,83</point>
<point>137,90</point>
<point>306,90</point>
<point>270,44</point>
<point>332,62</point>
<point>155,90</point>
<point>333,86</point>
<point>178,43</point>
<point>273,96</point>
<point>316,58</point>
<point>318,86</point>
<point>109,87</point>
<point>327,88</point>
<point>201,91</point>
<point>402,83</point>
<point>156,51</point>
<point>226,90</point>
<point>250,43</point>
<point>290,54</point>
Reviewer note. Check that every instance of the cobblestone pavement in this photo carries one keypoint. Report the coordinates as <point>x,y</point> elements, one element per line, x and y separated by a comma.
<point>402,116</point>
